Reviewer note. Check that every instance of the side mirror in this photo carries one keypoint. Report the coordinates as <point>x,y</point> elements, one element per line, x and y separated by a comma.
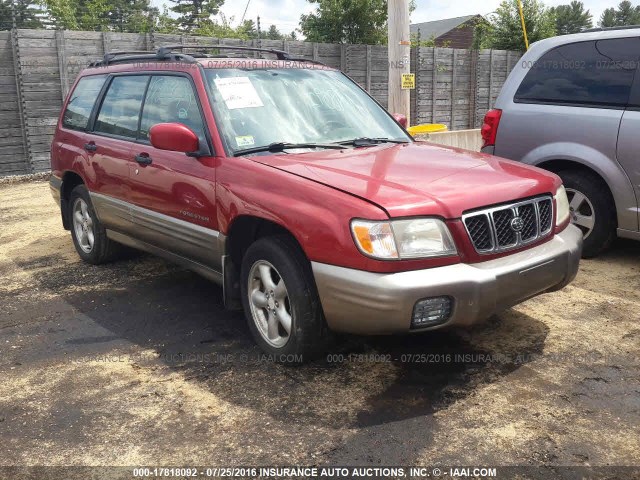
<point>174,137</point>
<point>401,119</point>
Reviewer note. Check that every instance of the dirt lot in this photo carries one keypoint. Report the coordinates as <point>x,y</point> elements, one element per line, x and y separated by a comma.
<point>137,363</point>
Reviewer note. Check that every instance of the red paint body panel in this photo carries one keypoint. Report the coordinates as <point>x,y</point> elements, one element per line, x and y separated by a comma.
<point>420,178</point>
<point>313,195</point>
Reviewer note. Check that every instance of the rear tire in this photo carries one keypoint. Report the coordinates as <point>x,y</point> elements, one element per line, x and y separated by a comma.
<point>281,302</point>
<point>592,210</point>
<point>88,234</point>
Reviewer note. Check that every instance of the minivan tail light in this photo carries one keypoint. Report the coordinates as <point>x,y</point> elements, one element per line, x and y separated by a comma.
<point>490,127</point>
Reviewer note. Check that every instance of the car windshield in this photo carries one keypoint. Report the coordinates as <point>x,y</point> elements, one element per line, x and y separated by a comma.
<point>259,107</point>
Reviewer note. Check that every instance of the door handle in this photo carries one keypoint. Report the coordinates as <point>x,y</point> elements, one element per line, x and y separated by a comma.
<point>90,147</point>
<point>143,159</point>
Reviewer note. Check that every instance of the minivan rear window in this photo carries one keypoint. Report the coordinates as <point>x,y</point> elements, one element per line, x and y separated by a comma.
<point>598,73</point>
<point>76,115</point>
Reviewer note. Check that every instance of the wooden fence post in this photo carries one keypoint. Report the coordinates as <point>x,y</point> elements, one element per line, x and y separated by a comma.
<point>343,57</point>
<point>490,79</point>
<point>434,85</point>
<point>368,69</point>
<point>474,85</point>
<point>22,107</point>
<point>62,64</point>
<point>415,68</point>
<point>105,42</point>
<point>453,89</point>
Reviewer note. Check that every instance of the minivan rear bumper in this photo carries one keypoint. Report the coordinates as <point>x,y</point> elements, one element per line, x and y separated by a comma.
<point>365,303</point>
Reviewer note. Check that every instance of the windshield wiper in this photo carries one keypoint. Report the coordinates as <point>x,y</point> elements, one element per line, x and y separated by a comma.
<point>367,142</point>
<point>282,146</point>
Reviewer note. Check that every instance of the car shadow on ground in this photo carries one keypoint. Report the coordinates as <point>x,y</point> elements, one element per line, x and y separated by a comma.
<point>363,382</point>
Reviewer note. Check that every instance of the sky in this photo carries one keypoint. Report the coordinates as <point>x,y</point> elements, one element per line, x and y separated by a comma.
<point>285,14</point>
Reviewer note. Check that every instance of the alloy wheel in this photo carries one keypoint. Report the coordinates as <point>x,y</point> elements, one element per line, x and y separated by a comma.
<point>581,210</point>
<point>83,225</point>
<point>270,304</point>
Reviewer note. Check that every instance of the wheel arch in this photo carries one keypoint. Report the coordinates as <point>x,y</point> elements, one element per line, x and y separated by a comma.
<point>70,180</point>
<point>615,181</point>
<point>243,231</point>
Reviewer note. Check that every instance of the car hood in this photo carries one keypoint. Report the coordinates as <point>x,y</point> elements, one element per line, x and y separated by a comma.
<point>418,178</point>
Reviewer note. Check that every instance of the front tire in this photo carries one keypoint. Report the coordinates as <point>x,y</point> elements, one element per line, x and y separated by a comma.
<point>88,234</point>
<point>592,209</point>
<point>281,302</point>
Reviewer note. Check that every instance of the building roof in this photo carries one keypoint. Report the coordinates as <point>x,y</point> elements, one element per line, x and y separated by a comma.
<point>438,28</point>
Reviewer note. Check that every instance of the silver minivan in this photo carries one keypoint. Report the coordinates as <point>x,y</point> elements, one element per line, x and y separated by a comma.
<point>572,106</point>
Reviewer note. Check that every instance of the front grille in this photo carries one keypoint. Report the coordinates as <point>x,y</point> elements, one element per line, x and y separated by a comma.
<point>509,226</point>
<point>545,207</point>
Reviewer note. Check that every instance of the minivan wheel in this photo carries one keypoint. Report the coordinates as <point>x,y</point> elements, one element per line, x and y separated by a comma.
<point>88,234</point>
<point>592,210</point>
<point>281,302</point>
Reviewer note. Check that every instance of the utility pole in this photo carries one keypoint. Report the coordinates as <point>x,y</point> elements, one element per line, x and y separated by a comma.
<point>399,56</point>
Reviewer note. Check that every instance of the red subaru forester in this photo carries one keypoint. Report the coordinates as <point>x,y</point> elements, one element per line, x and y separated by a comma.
<point>286,183</point>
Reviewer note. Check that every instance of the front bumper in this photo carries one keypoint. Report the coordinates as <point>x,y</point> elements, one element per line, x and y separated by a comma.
<point>366,303</point>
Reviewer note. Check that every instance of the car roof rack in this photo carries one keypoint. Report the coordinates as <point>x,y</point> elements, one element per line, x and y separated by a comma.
<point>280,54</point>
<point>166,53</point>
<point>611,29</point>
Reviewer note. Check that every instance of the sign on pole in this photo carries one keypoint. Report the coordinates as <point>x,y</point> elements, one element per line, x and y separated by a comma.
<point>408,81</point>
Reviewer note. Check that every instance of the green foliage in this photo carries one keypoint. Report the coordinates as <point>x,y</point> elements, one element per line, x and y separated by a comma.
<point>416,41</point>
<point>248,29</point>
<point>505,30</point>
<point>273,33</point>
<point>195,14</point>
<point>625,14</point>
<point>346,21</point>
<point>572,18</point>
<point>27,14</point>
<point>136,16</point>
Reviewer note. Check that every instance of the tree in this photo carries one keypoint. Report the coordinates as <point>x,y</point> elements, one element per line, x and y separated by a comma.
<point>273,33</point>
<point>195,14</point>
<point>346,21</point>
<point>165,23</point>
<point>248,29</point>
<point>27,15</point>
<point>135,16</point>
<point>130,16</point>
<point>505,27</point>
<point>572,18</point>
<point>625,14</point>
<point>608,18</point>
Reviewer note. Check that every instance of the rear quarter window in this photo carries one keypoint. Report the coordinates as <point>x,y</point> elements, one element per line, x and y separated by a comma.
<point>81,102</point>
<point>598,73</point>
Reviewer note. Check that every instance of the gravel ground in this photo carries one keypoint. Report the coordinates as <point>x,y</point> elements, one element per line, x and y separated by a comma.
<point>137,363</point>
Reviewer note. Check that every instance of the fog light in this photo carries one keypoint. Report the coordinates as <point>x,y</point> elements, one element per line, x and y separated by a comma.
<point>431,311</point>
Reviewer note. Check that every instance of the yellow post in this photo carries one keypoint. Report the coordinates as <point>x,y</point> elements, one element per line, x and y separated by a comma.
<point>524,28</point>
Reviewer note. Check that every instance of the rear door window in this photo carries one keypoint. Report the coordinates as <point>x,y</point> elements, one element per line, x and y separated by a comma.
<point>171,99</point>
<point>120,111</point>
<point>84,96</point>
<point>595,73</point>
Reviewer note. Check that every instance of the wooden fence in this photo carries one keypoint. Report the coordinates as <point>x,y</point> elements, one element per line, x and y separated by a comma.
<point>37,67</point>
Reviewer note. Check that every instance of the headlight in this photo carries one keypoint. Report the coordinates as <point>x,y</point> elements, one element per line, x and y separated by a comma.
<point>403,239</point>
<point>562,206</point>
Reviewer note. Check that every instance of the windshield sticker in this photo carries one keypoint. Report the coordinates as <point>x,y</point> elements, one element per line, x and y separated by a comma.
<point>245,141</point>
<point>238,92</point>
